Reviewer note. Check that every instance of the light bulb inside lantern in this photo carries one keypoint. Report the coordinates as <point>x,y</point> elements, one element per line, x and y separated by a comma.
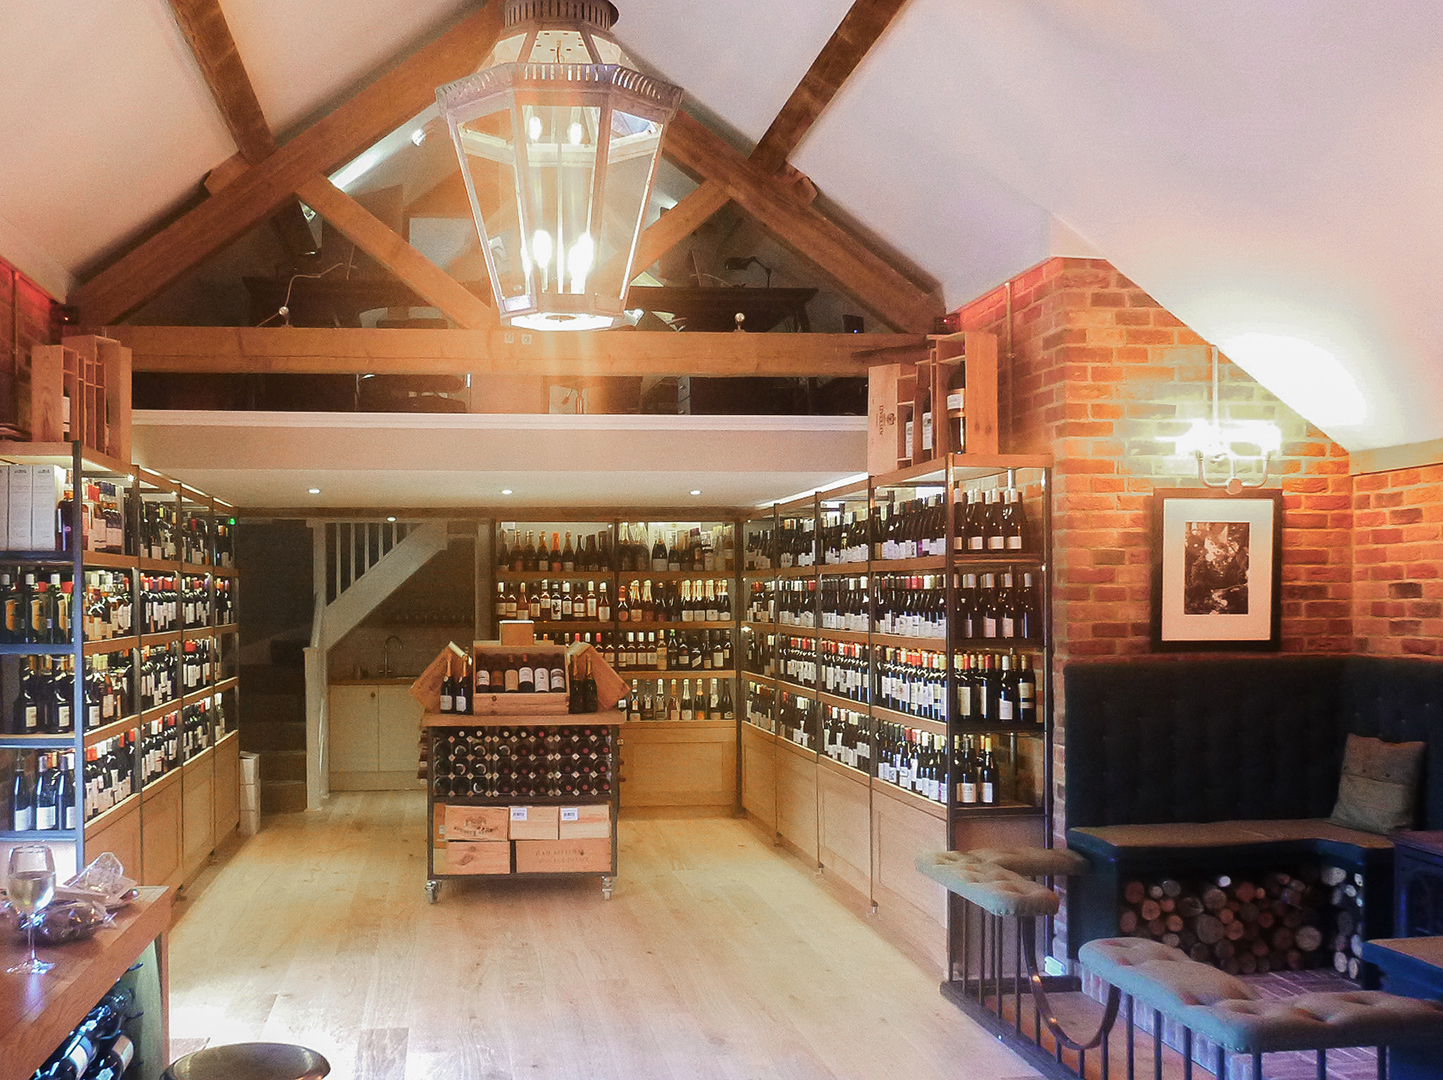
<point>578,262</point>
<point>541,248</point>
<point>533,128</point>
<point>575,134</point>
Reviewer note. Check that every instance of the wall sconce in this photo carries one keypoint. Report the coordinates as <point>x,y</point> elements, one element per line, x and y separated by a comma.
<point>1213,445</point>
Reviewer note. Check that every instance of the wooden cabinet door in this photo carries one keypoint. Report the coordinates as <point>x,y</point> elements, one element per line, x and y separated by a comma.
<point>160,833</point>
<point>398,747</point>
<point>227,788</point>
<point>197,814</point>
<point>354,720</point>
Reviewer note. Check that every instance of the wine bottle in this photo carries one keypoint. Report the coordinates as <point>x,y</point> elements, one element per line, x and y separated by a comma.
<point>448,691</point>
<point>568,556</point>
<point>957,407</point>
<point>22,799</point>
<point>1026,691</point>
<point>47,809</point>
<point>658,554</point>
<point>990,793</point>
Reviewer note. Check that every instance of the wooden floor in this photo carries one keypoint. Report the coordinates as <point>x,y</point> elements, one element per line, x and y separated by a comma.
<point>718,957</point>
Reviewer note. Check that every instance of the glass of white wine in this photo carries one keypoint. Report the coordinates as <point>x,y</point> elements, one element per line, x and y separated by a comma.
<point>31,885</point>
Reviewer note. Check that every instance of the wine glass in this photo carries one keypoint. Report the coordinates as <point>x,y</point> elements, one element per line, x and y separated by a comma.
<point>31,885</point>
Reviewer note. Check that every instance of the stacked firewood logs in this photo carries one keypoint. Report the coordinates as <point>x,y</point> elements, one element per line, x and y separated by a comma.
<point>1346,899</point>
<point>1244,925</point>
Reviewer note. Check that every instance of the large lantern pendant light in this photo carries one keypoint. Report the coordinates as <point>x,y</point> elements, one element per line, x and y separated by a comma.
<point>558,136</point>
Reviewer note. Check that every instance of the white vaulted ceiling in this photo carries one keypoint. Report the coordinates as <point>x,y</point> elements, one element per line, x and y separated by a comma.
<point>1260,166</point>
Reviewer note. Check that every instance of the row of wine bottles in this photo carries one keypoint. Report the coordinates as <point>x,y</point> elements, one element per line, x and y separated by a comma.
<point>42,792</point>
<point>542,672</point>
<point>44,698</point>
<point>668,650</point>
<point>38,606</point>
<point>984,521</point>
<point>98,1048</point>
<point>917,761</point>
<point>640,547</point>
<point>638,601</point>
<point>536,762</point>
<point>656,700</point>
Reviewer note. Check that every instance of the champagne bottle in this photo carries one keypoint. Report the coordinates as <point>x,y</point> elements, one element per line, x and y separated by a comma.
<point>448,691</point>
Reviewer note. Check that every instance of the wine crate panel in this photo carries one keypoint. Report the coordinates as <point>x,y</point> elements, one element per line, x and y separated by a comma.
<point>160,825</point>
<point>797,799</point>
<point>473,822</point>
<point>592,822</point>
<point>534,822</point>
<point>563,856</point>
<point>477,857</point>
<point>679,765</point>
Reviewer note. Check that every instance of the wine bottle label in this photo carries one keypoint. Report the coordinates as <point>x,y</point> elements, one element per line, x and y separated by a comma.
<point>44,817</point>
<point>1009,626</point>
<point>1004,710</point>
<point>956,400</point>
<point>989,793</point>
<point>967,793</point>
<point>1014,542</point>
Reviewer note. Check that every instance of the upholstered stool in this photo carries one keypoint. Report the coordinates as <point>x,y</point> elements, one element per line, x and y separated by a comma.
<point>1159,976</point>
<point>1035,862</point>
<point>995,890</point>
<point>249,1061</point>
<point>1322,1021</point>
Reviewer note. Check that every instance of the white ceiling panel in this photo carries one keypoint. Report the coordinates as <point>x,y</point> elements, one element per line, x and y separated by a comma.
<point>300,56</point>
<point>741,59</point>
<point>104,120</point>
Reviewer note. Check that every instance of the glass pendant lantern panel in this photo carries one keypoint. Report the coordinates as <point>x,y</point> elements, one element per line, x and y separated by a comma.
<point>561,147</point>
<point>631,158</point>
<point>489,146</point>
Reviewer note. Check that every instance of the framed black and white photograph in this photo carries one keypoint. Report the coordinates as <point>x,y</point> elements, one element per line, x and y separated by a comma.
<point>1216,569</point>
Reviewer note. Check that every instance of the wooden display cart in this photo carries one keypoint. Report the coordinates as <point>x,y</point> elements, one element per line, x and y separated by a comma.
<point>471,836</point>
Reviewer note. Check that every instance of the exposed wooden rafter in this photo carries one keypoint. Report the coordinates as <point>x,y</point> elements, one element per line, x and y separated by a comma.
<point>205,28</point>
<point>859,30</point>
<point>853,39</point>
<point>296,350</point>
<point>393,98</point>
<point>378,240</point>
<point>839,254</point>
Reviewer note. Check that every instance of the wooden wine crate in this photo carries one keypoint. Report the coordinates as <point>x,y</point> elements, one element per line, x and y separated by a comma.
<point>483,652</point>
<point>563,856</point>
<point>476,822</point>
<point>591,822</point>
<point>899,395</point>
<point>534,822</point>
<point>478,857</point>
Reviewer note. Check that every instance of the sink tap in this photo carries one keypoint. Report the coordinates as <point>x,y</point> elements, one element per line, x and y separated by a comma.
<point>386,655</point>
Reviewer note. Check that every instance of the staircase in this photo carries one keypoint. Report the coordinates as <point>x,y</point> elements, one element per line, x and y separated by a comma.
<point>277,691</point>
<point>357,564</point>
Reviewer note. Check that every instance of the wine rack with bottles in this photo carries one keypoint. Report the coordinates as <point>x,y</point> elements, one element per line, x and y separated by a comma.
<point>907,615</point>
<point>659,599</point>
<point>146,629</point>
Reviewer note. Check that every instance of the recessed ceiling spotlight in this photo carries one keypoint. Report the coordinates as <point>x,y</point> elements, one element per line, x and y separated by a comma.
<point>314,491</point>
<point>505,491</point>
<point>696,491</point>
<point>391,517</point>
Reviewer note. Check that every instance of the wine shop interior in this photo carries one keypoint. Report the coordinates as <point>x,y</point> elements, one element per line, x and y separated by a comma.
<point>834,540</point>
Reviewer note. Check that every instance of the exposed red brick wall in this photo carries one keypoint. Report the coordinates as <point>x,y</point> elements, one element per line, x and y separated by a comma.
<point>1398,562</point>
<point>1104,379</point>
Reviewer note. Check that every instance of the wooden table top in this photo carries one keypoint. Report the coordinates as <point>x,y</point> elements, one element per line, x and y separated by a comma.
<point>38,1011</point>
<point>1431,841</point>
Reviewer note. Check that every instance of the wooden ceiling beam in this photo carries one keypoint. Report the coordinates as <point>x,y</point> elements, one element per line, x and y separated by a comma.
<point>392,99</point>
<point>378,240</point>
<point>507,351</point>
<point>204,26</point>
<point>854,37</point>
<point>858,270</point>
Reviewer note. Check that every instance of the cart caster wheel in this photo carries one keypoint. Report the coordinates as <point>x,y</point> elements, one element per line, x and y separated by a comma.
<point>606,885</point>
<point>433,891</point>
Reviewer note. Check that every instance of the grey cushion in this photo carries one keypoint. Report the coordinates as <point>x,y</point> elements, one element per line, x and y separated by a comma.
<point>1035,862</point>
<point>1317,1022</point>
<point>1157,976</point>
<point>1228,834</point>
<point>1319,829</point>
<point>1379,787</point>
<point>993,889</point>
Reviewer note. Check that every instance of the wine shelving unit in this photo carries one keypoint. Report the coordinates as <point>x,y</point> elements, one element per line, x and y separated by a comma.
<point>816,577</point>
<point>664,763</point>
<point>170,742</point>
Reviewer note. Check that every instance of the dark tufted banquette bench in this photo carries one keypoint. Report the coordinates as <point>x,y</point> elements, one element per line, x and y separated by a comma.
<point>1178,765</point>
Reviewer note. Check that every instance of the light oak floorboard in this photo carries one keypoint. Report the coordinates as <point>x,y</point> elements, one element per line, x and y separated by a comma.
<point>719,958</point>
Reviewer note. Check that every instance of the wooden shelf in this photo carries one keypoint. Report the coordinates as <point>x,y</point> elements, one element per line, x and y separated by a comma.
<point>847,569</point>
<point>112,645</point>
<point>112,729</point>
<point>537,719</point>
<point>909,798</point>
<point>846,771</point>
<point>795,689</point>
<point>1003,809</point>
<point>898,641</point>
<point>95,464</point>
<point>838,702</point>
<point>676,625</point>
<point>922,565</point>
<point>760,627</point>
<point>170,637</point>
<point>628,576</point>
<point>555,575</point>
<point>227,684</point>
<point>919,723</point>
<point>162,782</point>
<point>120,809</point>
<point>568,624</point>
<point>198,633</point>
<point>159,566</point>
<point>759,732</point>
<point>855,637</point>
<point>163,710</point>
<point>227,628</point>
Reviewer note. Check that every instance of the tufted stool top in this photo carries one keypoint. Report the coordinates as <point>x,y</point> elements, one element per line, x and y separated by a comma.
<point>1035,862</point>
<point>249,1061</point>
<point>1158,976</point>
<point>993,889</point>
<point>1318,1022</point>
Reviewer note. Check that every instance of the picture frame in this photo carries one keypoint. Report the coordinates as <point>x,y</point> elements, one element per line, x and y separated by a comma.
<point>1217,562</point>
